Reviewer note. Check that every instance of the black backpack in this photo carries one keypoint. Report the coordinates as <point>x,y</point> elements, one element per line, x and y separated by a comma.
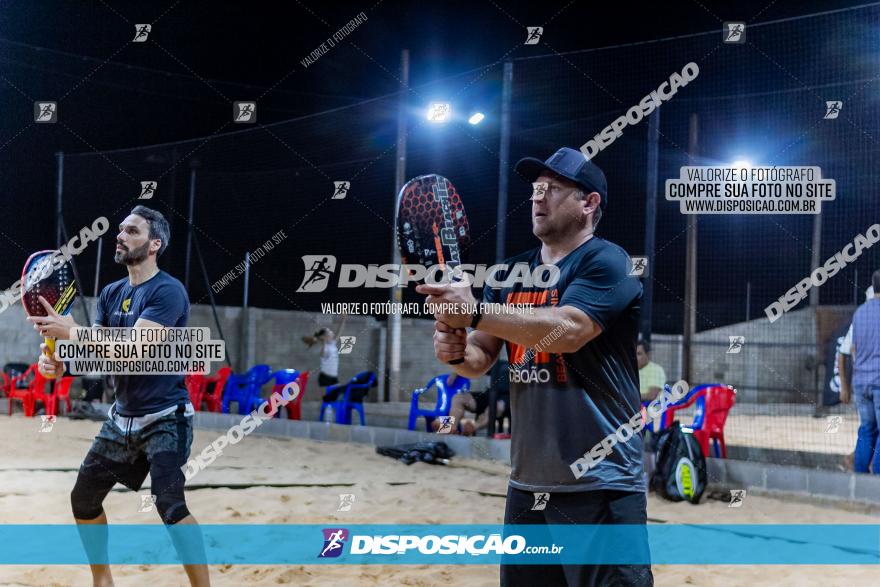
<point>681,467</point>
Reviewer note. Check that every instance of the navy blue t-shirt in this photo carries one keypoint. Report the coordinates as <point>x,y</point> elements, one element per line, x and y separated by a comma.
<point>161,299</point>
<point>564,404</point>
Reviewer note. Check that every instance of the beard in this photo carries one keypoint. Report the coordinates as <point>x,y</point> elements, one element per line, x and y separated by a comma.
<point>132,257</point>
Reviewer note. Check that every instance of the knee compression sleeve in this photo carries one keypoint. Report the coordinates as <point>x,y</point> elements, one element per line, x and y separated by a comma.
<point>87,496</point>
<point>170,501</point>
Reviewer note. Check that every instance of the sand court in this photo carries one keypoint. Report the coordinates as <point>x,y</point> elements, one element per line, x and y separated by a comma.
<point>264,480</point>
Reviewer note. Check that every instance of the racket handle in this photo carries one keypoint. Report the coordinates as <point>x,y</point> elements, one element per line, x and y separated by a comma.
<point>50,351</point>
<point>458,361</point>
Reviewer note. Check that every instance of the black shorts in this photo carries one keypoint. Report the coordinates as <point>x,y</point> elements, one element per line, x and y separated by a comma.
<point>119,458</point>
<point>326,380</point>
<point>583,507</point>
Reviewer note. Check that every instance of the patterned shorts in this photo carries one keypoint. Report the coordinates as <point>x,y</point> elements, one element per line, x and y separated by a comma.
<point>126,458</point>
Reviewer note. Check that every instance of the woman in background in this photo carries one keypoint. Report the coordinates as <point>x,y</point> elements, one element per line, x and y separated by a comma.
<point>329,372</point>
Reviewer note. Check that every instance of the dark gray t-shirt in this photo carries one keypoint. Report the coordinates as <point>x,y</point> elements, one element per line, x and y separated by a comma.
<point>161,299</point>
<point>564,404</point>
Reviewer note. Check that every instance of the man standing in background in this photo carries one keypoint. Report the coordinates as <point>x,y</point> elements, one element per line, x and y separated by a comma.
<point>652,377</point>
<point>866,379</point>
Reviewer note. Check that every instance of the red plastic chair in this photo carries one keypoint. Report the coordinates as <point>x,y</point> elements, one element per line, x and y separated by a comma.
<point>39,394</point>
<point>61,392</point>
<point>214,399</point>
<point>195,385</point>
<point>712,404</point>
<point>294,408</point>
<point>25,395</point>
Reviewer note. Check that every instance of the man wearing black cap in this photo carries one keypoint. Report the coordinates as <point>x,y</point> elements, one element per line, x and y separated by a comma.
<point>573,372</point>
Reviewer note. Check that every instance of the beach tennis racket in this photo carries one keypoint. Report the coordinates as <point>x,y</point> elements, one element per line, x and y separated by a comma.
<point>432,227</point>
<point>57,284</point>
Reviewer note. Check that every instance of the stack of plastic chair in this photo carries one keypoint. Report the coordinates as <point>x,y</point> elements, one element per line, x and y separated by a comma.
<point>283,378</point>
<point>294,407</point>
<point>352,399</point>
<point>195,385</point>
<point>15,377</point>
<point>245,389</point>
<point>26,395</point>
<point>712,402</point>
<point>60,392</point>
<point>444,399</point>
<point>212,394</point>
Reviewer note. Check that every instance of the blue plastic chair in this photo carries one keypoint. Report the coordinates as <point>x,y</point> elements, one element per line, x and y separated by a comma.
<point>444,399</point>
<point>245,389</point>
<point>342,407</point>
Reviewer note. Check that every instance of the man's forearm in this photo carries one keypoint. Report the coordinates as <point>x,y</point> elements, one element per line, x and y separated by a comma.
<point>476,362</point>
<point>550,328</point>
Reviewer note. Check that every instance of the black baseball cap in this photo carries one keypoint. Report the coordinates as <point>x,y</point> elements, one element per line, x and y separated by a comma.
<point>570,164</point>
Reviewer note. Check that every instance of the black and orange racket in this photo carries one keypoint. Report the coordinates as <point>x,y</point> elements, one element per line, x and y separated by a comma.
<point>432,227</point>
<point>49,276</point>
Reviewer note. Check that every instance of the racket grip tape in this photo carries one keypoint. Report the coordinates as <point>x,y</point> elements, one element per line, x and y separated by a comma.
<point>50,351</point>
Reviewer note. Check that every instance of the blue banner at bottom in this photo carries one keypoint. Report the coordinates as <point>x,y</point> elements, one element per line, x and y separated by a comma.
<point>490,544</point>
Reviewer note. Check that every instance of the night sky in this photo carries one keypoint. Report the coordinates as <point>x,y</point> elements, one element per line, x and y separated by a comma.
<point>116,94</point>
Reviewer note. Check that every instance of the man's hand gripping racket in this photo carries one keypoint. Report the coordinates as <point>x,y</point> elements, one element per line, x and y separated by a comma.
<point>432,228</point>
<point>48,291</point>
